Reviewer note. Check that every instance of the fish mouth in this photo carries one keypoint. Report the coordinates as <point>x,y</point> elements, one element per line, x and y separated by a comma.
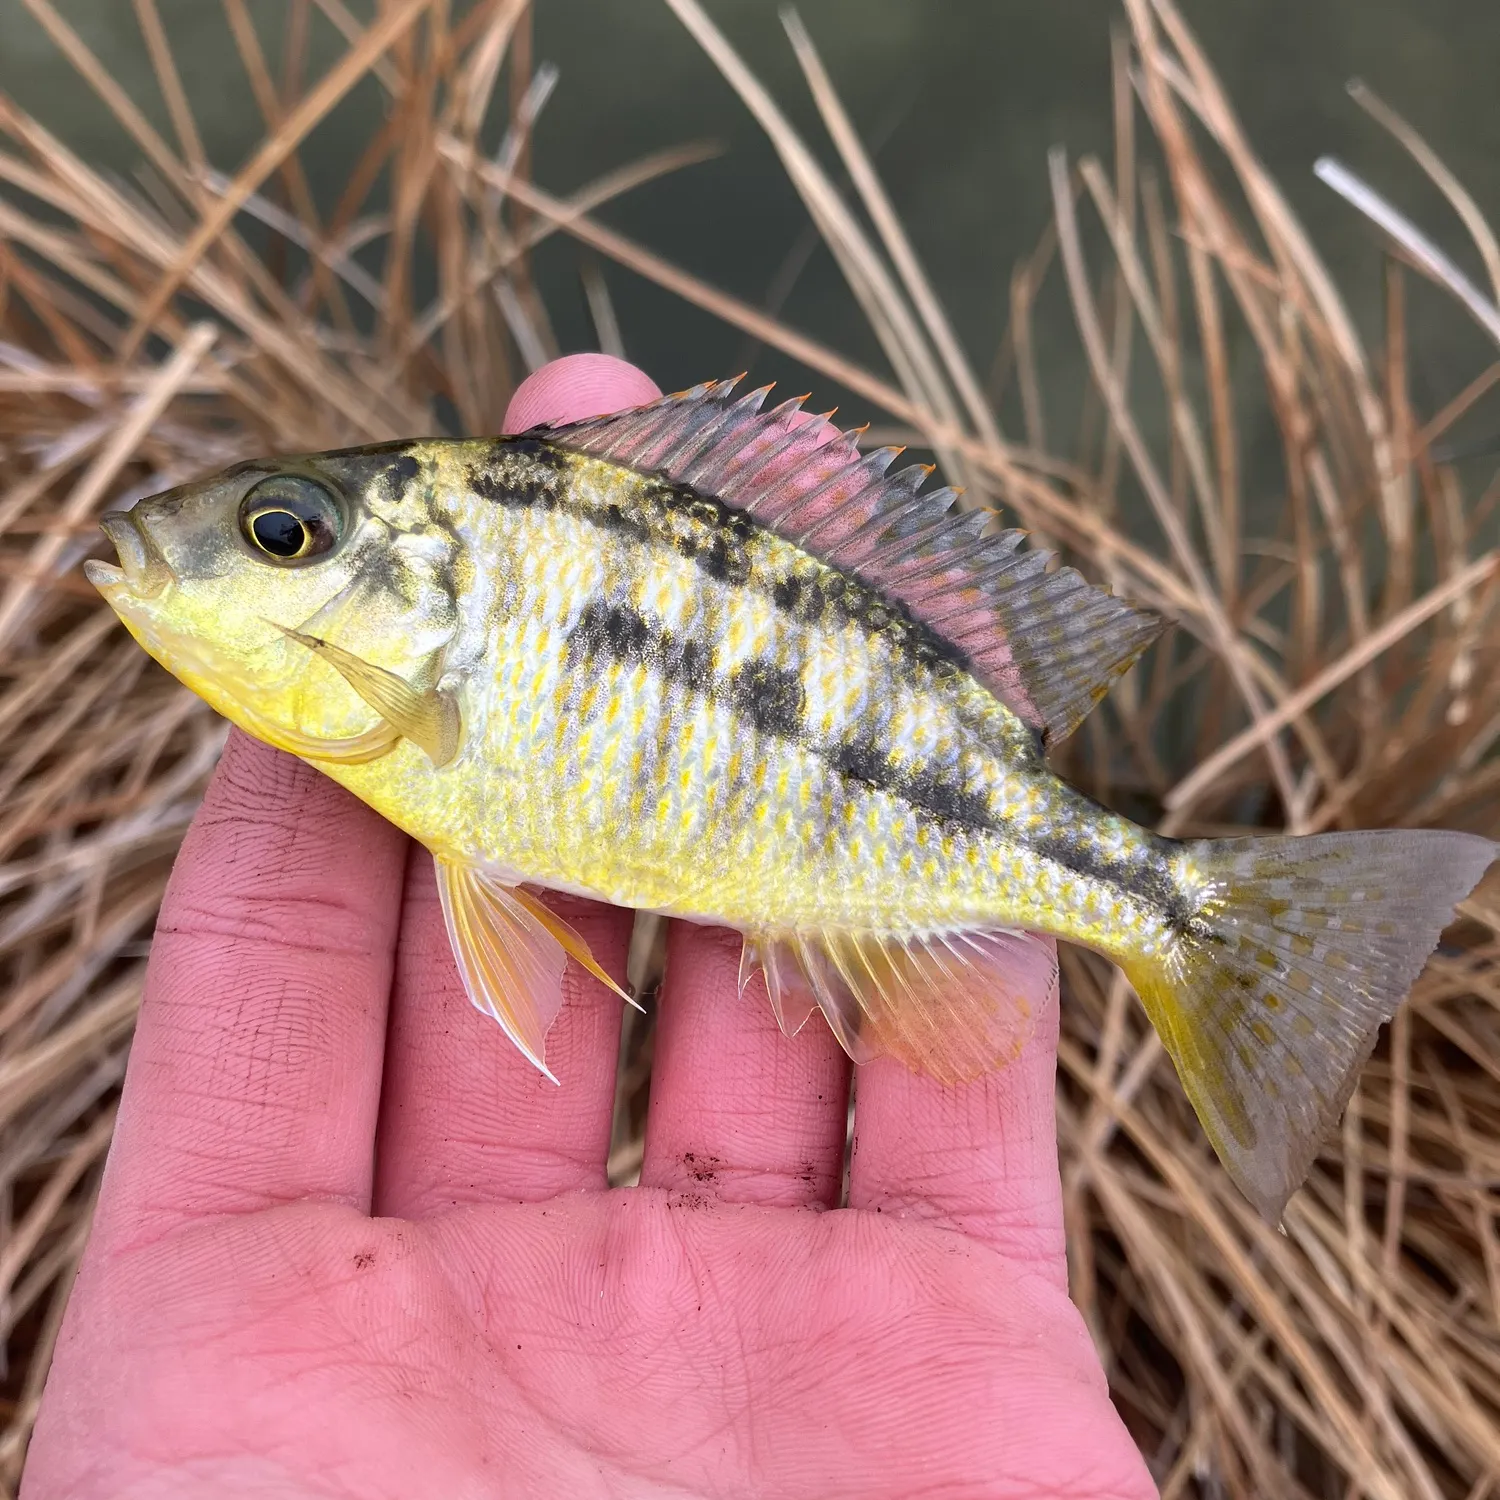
<point>143,569</point>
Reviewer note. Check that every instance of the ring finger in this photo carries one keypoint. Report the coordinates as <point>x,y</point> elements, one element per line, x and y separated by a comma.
<point>739,1112</point>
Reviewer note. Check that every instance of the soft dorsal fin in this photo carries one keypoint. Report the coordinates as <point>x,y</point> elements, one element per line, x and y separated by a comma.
<point>1046,642</point>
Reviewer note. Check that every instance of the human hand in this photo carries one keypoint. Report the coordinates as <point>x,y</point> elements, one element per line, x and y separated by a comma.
<point>350,1243</point>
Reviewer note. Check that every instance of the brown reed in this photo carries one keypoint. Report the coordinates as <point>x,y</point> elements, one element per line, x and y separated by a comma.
<point>1335,664</point>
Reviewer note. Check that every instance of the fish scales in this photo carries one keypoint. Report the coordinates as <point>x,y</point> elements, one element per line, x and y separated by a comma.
<point>705,691</point>
<point>698,659</point>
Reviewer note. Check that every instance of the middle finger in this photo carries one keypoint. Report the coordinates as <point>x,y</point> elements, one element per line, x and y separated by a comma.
<point>464,1117</point>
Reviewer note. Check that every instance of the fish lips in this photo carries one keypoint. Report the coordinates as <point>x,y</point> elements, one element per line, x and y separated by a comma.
<point>142,569</point>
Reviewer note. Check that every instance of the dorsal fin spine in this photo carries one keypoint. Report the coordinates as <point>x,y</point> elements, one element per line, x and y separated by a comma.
<point>692,445</point>
<point>697,436</point>
<point>951,539</point>
<point>928,524</point>
<point>874,466</point>
<point>679,443</point>
<point>791,436</point>
<point>787,516</point>
<point>898,493</point>
<point>911,566</point>
<point>881,521</point>
<point>739,440</point>
<point>1048,645</point>
<point>618,444</point>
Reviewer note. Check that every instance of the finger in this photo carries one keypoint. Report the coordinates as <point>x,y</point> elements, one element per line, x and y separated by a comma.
<point>465,1118</point>
<point>578,386</point>
<point>739,1112</point>
<point>254,1077</point>
<point>980,1158</point>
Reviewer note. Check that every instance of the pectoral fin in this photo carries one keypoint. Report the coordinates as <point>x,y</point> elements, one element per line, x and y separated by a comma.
<point>347,750</point>
<point>429,718</point>
<point>511,952</point>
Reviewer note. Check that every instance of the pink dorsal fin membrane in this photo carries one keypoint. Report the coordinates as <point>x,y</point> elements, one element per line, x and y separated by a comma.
<point>1042,639</point>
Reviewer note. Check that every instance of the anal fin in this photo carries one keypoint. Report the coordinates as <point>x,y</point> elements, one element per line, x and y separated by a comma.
<point>511,952</point>
<point>792,998</point>
<point>952,1007</point>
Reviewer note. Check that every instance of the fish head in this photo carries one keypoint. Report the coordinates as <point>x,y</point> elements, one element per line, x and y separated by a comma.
<point>217,579</point>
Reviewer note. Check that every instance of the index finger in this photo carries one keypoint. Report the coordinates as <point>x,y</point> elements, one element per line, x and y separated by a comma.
<point>254,1077</point>
<point>465,1117</point>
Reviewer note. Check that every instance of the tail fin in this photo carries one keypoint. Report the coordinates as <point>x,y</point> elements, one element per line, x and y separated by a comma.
<point>1271,999</point>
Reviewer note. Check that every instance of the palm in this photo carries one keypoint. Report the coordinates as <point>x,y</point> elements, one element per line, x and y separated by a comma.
<point>350,1244</point>
<point>627,1343</point>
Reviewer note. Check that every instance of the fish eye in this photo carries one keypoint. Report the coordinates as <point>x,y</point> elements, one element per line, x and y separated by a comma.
<point>291,518</point>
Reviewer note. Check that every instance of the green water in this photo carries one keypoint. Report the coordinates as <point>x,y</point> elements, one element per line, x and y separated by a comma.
<point>964,98</point>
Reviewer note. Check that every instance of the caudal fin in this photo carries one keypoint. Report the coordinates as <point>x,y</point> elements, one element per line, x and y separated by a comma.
<point>1272,998</point>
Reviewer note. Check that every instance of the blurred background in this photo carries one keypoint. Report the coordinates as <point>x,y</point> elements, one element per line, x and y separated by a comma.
<point>957,101</point>
<point>1076,252</point>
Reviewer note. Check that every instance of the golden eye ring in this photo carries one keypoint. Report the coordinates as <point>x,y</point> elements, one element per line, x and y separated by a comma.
<point>290,519</point>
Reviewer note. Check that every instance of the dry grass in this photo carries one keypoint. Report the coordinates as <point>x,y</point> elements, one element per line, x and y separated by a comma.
<point>1336,664</point>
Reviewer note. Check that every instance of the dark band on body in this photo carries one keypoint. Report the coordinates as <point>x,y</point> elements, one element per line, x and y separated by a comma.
<point>1143,871</point>
<point>772,700</point>
<point>528,471</point>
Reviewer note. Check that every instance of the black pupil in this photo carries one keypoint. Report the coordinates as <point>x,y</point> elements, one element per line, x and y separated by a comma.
<point>279,532</point>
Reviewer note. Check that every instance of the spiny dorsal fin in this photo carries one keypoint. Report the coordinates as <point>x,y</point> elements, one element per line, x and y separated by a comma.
<point>1047,643</point>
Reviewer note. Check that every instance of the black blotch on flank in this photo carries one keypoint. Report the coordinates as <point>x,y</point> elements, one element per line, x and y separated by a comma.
<point>953,804</point>
<point>811,599</point>
<point>771,697</point>
<point>1076,854</point>
<point>520,486</point>
<point>617,518</point>
<point>521,472</point>
<point>544,455</point>
<point>688,662</point>
<point>864,760</point>
<point>724,559</point>
<point>708,510</point>
<point>613,630</point>
<point>1145,877</point>
<point>800,597</point>
<point>624,634</point>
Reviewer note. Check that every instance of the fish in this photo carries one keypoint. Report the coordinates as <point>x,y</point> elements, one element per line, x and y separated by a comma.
<point>709,658</point>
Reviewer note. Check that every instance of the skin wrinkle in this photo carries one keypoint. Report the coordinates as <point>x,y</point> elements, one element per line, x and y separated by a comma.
<point>214,927</point>
<point>699,1269</point>
<point>288,1007</point>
